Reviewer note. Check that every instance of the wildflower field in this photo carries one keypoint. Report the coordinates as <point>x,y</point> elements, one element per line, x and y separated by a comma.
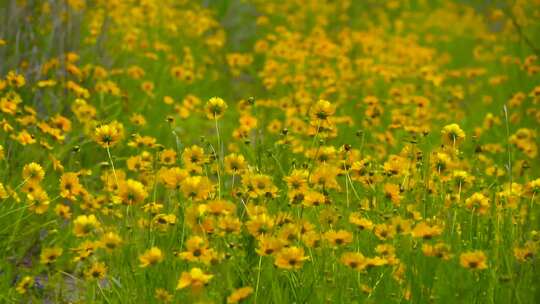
<point>255,151</point>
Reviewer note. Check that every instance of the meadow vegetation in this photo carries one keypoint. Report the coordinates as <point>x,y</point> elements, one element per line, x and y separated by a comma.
<point>173,151</point>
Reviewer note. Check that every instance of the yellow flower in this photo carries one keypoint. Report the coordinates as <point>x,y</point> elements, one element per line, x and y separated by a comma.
<point>40,201</point>
<point>260,224</point>
<point>314,199</point>
<point>97,271</point>
<point>195,278</point>
<point>235,163</point>
<point>355,260</point>
<point>532,188</point>
<point>24,138</point>
<point>338,238</point>
<point>24,284</point>
<point>151,257</point>
<point>322,110</point>
<point>384,231</point>
<point>215,108</point>
<point>108,135</point>
<point>475,260</point>
<point>46,83</point>
<point>163,295</point>
<point>85,250</point>
<point>84,224</point>
<point>167,157</point>
<point>376,261</point>
<point>110,240</point>
<point>138,119</point>
<point>269,245</point>
<point>393,193</point>
<point>401,225</point>
<point>61,123</point>
<point>57,164</point>
<point>197,188</point>
<point>172,177</point>
<point>70,186</point>
<point>33,172</point>
<point>478,202</point>
<point>62,211</point>
<point>325,176</point>
<point>290,258</point>
<point>452,135</point>
<point>196,248</point>
<point>147,87</point>
<point>525,253</point>
<point>362,223</point>
<point>49,255</point>
<point>441,162</point>
<point>297,180</point>
<point>425,231</point>
<point>15,80</point>
<point>439,250</point>
<point>193,156</point>
<point>164,221</point>
<point>132,192</point>
<point>259,185</point>
<point>239,294</point>
<point>3,192</point>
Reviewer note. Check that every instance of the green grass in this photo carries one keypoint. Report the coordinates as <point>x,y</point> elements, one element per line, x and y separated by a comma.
<point>336,51</point>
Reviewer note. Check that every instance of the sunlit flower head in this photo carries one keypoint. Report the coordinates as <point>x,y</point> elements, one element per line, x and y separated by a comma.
<point>215,108</point>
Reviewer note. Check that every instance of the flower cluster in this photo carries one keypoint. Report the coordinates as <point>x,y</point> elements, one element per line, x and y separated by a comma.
<point>324,151</point>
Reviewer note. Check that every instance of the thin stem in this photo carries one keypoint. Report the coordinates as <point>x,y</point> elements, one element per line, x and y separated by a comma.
<point>112,165</point>
<point>258,279</point>
<point>347,191</point>
<point>352,185</point>
<point>509,166</point>
<point>219,157</point>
